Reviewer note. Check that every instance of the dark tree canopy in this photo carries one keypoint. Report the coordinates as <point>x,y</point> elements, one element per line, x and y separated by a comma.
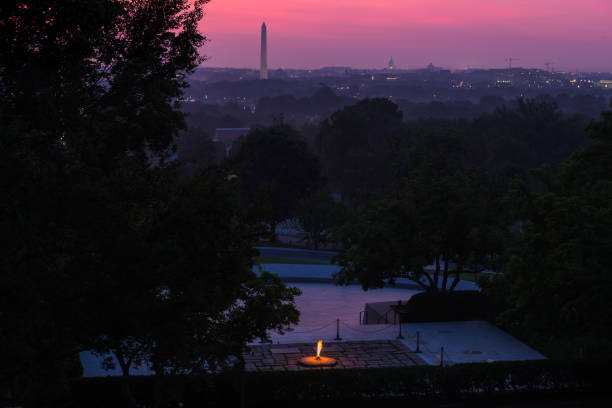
<point>99,76</point>
<point>318,214</point>
<point>437,219</point>
<point>103,247</point>
<point>558,286</point>
<point>533,133</point>
<point>276,169</point>
<point>198,297</point>
<point>355,148</point>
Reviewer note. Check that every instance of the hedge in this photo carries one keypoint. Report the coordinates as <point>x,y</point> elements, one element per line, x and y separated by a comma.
<point>474,381</point>
<point>447,307</point>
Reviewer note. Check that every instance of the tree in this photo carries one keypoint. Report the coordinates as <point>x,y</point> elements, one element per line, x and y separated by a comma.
<point>558,287</point>
<point>427,143</point>
<point>88,116</point>
<point>355,151</point>
<point>318,214</point>
<point>531,134</point>
<point>275,170</point>
<point>195,150</point>
<point>200,302</point>
<point>433,222</point>
<point>87,91</point>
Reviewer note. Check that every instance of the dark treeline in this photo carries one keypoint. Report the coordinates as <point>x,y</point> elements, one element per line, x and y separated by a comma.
<point>496,133</point>
<point>323,100</point>
<point>586,105</point>
<point>294,110</point>
<point>370,145</point>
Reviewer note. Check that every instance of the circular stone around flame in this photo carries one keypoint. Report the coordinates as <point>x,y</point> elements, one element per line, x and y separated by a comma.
<point>312,361</point>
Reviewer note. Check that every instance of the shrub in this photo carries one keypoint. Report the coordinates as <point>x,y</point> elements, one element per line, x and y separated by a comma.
<point>520,380</point>
<point>446,307</point>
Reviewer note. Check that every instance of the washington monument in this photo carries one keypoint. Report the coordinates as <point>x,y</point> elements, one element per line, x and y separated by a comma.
<point>263,67</point>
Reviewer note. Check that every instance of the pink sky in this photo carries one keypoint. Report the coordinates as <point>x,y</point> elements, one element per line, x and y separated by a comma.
<point>573,34</point>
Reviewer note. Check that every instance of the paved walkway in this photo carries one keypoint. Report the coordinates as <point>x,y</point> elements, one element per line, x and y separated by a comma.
<point>322,303</point>
<point>365,346</point>
<point>463,342</point>
<point>363,354</point>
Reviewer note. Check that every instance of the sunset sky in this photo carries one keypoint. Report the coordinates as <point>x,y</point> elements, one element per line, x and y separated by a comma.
<point>573,34</point>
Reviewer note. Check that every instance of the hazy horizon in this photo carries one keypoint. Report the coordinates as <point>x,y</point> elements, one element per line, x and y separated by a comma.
<point>558,70</point>
<point>309,34</point>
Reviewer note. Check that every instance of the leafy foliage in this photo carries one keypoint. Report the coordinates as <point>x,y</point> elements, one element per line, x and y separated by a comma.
<point>530,135</point>
<point>318,214</point>
<point>103,247</point>
<point>558,285</point>
<point>354,144</point>
<point>436,219</point>
<point>275,170</point>
<point>521,382</point>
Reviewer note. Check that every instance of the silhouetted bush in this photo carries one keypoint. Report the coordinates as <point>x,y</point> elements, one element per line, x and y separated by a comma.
<point>520,380</point>
<point>446,307</point>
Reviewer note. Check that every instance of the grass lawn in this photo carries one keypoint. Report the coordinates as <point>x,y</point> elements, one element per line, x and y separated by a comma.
<point>293,245</point>
<point>466,276</point>
<point>281,244</point>
<point>276,260</point>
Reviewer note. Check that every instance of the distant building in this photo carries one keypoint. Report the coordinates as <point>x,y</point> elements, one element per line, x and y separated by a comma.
<point>263,67</point>
<point>391,65</point>
<point>432,68</point>
<point>605,83</point>
<point>335,71</point>
<point>227,136</point>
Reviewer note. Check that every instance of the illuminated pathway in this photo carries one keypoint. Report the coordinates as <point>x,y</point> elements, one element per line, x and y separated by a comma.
<point>327,309</point>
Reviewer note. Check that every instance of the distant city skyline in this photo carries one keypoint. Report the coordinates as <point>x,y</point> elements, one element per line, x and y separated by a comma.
<point>309,34</point>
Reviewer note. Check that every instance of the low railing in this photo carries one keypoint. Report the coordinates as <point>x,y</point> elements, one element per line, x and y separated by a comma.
<point>385,318</point>
<point>413,339</point>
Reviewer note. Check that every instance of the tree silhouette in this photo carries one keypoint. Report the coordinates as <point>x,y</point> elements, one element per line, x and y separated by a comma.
<point>557,285</point>
<point>103,246</point>
<point>275,169</point>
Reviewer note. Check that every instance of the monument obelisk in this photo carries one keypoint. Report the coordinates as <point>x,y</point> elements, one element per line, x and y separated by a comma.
<point>263,66</point>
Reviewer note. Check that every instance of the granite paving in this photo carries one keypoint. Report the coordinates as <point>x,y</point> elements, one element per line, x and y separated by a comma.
<point>354,354</point>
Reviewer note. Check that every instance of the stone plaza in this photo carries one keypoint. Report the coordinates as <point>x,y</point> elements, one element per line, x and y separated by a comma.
<point>351,354</point>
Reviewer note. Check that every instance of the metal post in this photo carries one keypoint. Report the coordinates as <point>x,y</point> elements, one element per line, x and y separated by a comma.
<point>418,349</point>
<point>338,330</point>
<point>399,336</point>
<point>441,356</point>
<point>395,314</point>
<point>363,317</point>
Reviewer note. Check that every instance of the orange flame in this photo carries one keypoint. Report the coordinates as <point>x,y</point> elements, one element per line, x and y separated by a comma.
<point>319,348</point>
